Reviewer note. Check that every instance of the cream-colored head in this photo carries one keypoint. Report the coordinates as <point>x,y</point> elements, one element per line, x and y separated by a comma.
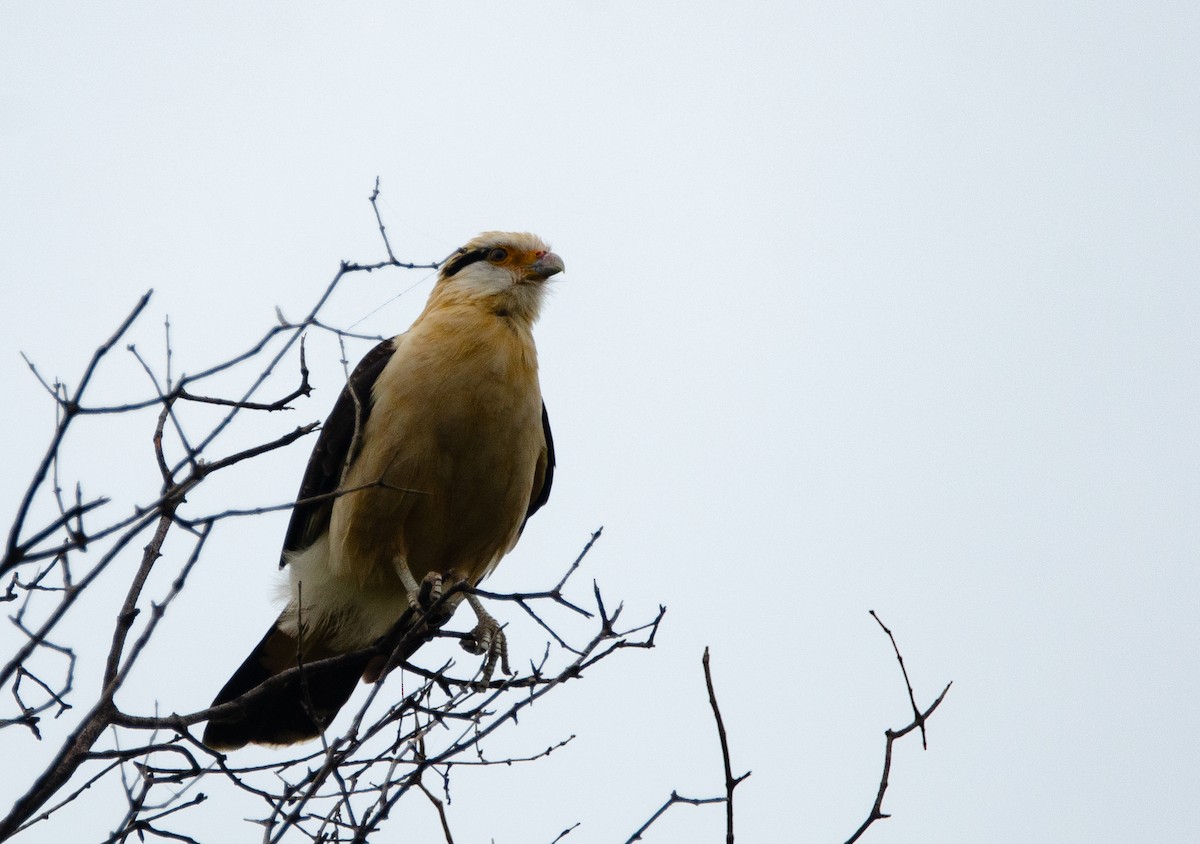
<point>506,271</point>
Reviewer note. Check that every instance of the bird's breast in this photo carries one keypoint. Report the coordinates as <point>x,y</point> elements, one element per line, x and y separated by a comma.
<point>447,456</point>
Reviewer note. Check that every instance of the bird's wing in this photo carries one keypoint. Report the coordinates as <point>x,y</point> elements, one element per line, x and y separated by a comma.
<point>544,472</point>
<point>334,451</point>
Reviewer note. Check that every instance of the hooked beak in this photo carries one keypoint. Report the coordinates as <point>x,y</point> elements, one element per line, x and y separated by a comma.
<point>546,266</point>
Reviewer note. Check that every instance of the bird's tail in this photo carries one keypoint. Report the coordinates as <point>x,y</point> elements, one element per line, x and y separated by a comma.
<point>295,709</point>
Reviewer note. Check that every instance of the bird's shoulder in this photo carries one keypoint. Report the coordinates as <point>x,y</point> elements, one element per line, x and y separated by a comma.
<point>335,448</point>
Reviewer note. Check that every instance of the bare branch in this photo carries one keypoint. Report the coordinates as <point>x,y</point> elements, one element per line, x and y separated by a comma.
<point>919,719</point>
<point>441,810</point>
<point>70,407</point>
<point>565,833</point>
<point>674,800</point>
<point>406,733</point>
<point>912,700</point>
<point>382,230</point>
<point>731,782</point>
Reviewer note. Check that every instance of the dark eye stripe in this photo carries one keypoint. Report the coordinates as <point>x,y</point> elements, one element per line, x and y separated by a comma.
<point>464,260</point>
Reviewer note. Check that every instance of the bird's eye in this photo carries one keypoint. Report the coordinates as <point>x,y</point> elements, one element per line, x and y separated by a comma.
<point>497,255</point>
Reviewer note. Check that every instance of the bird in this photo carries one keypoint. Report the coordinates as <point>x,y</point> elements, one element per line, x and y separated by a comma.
<point>437,452</point>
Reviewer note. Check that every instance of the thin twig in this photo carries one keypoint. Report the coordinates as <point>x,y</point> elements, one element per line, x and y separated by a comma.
<point>907,683</point>
<point>675,799</point>
<point>731,782</point>
<point>70,407</point>
<point>890,737</point>
<point>350,785</point>
<point>441,810</point>
<point>378,219</point>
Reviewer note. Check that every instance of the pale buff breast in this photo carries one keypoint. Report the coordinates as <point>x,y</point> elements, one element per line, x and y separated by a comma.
<point>455,436</point>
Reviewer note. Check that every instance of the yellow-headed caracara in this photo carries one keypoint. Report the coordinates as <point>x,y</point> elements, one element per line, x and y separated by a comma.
<point>441,445</point>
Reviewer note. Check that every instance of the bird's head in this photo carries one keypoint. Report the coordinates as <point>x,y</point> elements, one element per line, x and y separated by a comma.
<point>506,270</point>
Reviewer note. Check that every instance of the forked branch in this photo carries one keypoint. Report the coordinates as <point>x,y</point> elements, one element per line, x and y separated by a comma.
<point>890,737</point>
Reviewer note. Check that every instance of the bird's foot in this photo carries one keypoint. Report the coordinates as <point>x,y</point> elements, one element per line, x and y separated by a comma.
<point>431,590</point>
<point>487,638</point>
<point>423,595</point>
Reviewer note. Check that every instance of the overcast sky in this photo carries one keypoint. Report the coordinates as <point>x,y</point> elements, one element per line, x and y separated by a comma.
<point>867,306</point>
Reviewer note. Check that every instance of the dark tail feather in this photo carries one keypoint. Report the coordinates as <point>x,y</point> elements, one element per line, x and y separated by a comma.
<point>296,710</point>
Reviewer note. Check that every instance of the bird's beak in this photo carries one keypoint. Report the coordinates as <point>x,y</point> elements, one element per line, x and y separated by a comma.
<point>546,266</point>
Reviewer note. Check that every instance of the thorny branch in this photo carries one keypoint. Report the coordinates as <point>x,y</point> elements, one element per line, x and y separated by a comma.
<point>413,727</point>
<point>396,742</point>
<point>674,800</point>
<point>732,782</point>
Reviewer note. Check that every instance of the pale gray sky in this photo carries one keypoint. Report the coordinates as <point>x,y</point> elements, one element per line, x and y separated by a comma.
<point>868,306</point>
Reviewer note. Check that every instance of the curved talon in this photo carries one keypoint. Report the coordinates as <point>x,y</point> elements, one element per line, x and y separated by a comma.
<point>487,638</point>
<point>431,590</point>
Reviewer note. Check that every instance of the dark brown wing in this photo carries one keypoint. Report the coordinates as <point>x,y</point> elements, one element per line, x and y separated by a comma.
<point>331,454</point>
<point>541,493</point>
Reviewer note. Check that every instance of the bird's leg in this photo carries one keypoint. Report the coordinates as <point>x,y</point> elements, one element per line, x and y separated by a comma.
<point>423,595</point>
<point>411,587</point>
<point>487,638</point>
